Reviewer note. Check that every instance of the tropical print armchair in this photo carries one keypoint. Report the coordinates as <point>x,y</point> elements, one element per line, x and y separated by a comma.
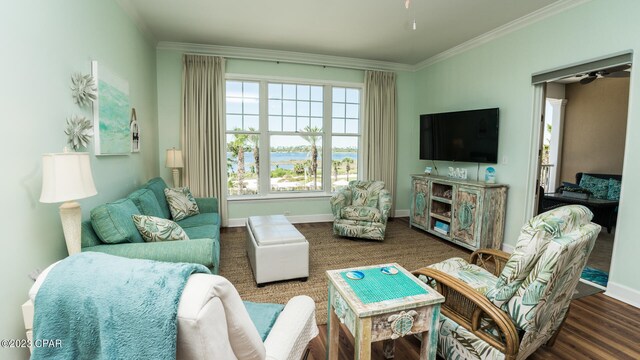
<point>361,210</point>
<point>505,306</point>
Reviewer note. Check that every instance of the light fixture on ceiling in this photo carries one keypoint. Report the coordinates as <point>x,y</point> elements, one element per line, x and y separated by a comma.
<point>407,5</point>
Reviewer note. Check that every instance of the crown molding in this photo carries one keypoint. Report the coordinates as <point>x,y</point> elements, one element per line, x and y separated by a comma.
<point>347,62</point>
<point>133,14</point>
<point>538,15</point>
<point>284,56</point>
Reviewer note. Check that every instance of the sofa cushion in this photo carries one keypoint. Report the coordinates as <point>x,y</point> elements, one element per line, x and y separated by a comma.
<point>361,213</point>
<point>614,190</point>
<point>203,232</point>
<point>158,229</point>
<point>598,187</point>
<point>200,219</point>
<point>263,316</point>
<point>145,200</point>
<point>181,203</point>
<point>88,236</point>
<point>113,224</point>
<point>157,185</point>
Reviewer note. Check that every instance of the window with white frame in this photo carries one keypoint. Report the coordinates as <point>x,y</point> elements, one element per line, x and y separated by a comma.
<point>345,136</point>
<point>243,137</point>
<point>309,136</point>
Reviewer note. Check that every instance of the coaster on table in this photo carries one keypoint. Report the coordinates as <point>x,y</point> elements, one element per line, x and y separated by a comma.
<point>355,275</point>
<point>389,270</point>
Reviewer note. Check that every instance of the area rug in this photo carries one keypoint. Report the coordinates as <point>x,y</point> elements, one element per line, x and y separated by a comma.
<point>595,276</point>
<point>411,248</point>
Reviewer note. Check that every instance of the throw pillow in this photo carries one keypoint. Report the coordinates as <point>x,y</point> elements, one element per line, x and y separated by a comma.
<point>158,229</point>
<point>570,185</point>
<point>614,190</point>
<point>598,187</point>
<point>181,203</point>
<point>146,202</point>
<point>112,222</point>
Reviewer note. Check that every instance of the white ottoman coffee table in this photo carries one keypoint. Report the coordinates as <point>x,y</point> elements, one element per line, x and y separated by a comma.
<point>276,249</point>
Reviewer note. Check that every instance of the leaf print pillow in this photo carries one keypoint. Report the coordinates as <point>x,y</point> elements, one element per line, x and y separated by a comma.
<point>181,203</point>
<point>158,229</point>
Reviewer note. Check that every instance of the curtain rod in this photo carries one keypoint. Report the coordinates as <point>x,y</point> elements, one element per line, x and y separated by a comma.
<point>295,62</point>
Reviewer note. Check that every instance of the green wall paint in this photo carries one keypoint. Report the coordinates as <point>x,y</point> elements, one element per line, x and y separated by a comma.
<point>498,73</point>
<point>44,42</point>
<point>169,68</point>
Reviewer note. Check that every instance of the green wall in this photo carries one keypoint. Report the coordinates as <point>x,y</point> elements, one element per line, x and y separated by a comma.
<point>498,73</point>
<point>169,68</point>
<point>44,42</point>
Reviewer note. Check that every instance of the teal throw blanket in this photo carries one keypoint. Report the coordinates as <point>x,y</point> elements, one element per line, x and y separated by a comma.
<point>99,306</point>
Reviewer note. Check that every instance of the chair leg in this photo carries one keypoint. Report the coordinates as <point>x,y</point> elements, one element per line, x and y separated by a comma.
<point>552,339</point>
<point>306,353</point>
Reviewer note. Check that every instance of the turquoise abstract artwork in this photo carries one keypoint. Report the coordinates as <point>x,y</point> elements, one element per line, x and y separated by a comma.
<point>111,113</point>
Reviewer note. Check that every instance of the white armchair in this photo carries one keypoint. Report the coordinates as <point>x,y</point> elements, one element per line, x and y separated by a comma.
<point>213,323</point>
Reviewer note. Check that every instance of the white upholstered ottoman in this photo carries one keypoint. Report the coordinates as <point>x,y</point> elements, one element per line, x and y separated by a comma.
<point>277,250</point>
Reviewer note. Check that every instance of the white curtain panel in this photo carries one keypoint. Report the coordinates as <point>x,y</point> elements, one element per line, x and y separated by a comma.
<point>379,131</point>
<point>203,132</point>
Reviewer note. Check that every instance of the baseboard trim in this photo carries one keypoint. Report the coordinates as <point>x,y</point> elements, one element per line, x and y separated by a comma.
<point>401,213</point>
<point>623,293</point>
<point>297,219</point>
<point>507,248</point>
<point>590,283</point>
<point>294,219</point>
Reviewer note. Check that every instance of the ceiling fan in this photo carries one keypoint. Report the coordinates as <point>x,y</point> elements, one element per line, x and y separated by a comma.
<point>615,72</point>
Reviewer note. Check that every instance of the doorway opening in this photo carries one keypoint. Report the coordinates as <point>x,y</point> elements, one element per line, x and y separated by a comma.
<point>581,151</point>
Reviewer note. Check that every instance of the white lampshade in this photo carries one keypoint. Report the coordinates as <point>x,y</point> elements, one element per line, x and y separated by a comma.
<point>174,158</point>
<point>66,177</point>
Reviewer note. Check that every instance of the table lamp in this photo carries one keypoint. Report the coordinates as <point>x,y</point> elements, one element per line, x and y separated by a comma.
<point>174,161</point>
<point>67,177</point>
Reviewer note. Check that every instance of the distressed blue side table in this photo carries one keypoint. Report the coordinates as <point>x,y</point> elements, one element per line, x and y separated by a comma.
<point>381,303</point>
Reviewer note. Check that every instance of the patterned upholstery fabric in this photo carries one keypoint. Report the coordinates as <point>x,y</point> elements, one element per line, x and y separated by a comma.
<point>158,229</point>
<point>361,210</point>
<point>455,342</point>
<point>365,193</point>
<point>181,203</point>
<point>535,286</point>
<point>598,187</point>
<point>478,278</point>
<point>614,190</point>
<point>532,243</point>
<point>363,213</point>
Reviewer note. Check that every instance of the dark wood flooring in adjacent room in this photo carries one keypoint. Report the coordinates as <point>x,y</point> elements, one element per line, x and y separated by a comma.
<point>598,327</point>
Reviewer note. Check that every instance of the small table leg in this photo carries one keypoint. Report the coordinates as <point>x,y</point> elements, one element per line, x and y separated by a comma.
<point>333,340</point>
<point>389,348</point>
<point>430,338</point>
<point>362,339</point>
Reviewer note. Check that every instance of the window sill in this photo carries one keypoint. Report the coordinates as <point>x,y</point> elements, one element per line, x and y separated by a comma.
<point>287,196</point>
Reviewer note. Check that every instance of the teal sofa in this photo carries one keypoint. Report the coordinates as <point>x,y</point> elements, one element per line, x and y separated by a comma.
<point>111,229</point>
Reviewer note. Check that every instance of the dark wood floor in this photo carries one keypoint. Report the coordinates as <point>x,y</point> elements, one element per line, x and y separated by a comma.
<point>598,327</point>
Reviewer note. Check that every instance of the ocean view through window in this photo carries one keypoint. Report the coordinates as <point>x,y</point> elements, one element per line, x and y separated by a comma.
<point>291,137</point>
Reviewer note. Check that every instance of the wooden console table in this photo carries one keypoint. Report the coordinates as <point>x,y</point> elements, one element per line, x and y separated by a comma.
<point>382,307</point>
<point>466,212</point>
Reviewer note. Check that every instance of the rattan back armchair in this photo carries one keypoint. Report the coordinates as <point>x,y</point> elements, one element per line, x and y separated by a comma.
<point>501,305</point>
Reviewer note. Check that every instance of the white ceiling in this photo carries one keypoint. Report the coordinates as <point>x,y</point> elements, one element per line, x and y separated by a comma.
<point>366,29</point>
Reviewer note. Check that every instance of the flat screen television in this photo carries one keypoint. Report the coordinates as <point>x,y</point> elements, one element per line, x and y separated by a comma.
<point>467,136</point>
